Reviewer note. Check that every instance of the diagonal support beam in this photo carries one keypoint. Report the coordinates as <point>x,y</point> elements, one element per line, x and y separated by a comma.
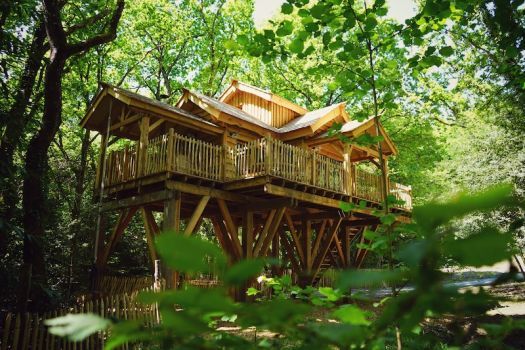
<point>230,226</point>
<point>195,217</point>
<point>288,249</point>
<point>123,222</point>
<point>149,221</point>
<point>223,238</point>
<point>276,223</point>
<point>295,237</point>
<point>264,232</point>
<point>325,246</point>
<point>319,238</point>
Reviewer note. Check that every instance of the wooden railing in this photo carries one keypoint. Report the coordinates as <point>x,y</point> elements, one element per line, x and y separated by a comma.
<point>181,154</point>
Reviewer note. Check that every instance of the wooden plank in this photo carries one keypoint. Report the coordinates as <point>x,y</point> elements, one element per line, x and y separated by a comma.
<point>195,217</point>
<point>212,192</point>
<point>301,196</point>
<point>138,200</point>
<point>125,122</point>
<point>230,225</point>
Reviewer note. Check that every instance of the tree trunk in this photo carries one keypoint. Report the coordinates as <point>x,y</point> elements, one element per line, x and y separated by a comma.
<point>34,187</point>
<point>16,120</point>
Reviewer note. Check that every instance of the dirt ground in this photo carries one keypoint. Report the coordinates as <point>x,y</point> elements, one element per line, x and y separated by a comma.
<point>473,328</point>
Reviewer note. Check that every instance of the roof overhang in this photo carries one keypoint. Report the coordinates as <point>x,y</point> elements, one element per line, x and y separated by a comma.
<point>357,131</point>
<point>114,102</point>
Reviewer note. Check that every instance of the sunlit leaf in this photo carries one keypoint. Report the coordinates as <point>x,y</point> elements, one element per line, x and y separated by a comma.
<point>77,327</point>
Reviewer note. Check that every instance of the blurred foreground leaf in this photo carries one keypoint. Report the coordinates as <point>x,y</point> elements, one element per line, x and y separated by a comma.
<point>77,327</point>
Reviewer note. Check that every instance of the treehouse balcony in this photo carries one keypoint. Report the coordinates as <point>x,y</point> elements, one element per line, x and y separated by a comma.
<point>172,155</point>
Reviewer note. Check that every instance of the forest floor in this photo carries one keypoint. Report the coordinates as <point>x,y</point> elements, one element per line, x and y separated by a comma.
<point>445,328</point>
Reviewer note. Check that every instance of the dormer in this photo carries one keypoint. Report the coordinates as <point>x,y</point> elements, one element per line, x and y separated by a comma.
<point>269,108</point>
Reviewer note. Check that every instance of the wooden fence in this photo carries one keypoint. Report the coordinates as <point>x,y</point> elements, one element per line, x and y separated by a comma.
<point>186,155</point>
<point>27,331</point>
<point>113,285</point>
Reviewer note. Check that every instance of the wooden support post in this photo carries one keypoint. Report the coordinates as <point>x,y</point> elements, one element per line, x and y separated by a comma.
<point>247,235</point>
<point>143,145</point>
<point>276,270</point>
<point>306,241</point>
<point>196,216</point>
<point>101,160</point>
<point>347,167</point>
<point>172,213</point>
<point>172,223</point>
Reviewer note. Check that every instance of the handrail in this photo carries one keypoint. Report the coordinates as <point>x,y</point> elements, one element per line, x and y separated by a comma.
<point>186,155</point>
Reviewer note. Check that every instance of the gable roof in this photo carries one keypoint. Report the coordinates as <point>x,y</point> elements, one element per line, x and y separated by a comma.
<point>311,118</point>
<point>215,107</point>
<point>355,128</point>
<point>91,119</point>
<point>265,95</point>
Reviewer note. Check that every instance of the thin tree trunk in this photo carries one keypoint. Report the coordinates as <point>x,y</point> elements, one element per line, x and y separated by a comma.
<point>16,121</point>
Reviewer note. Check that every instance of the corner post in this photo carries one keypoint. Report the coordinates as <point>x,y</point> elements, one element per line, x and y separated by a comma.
<point>170,148</point>
<point>143,145</point>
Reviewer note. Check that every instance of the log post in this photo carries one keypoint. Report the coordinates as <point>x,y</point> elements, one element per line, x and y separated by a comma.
<point>170,150</point>
<point>142,146</point>
<point>347,167</point>
<point>171,222</point>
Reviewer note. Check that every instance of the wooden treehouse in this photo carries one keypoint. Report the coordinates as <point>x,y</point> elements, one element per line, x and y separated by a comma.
<point>262,169</point>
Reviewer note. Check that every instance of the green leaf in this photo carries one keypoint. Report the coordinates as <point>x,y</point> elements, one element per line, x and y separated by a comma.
<point>187,254</point>
<point>435,214</point>
<point>351,314</point>
<point>286,28</point>
<point>296,46</point>
<point>446,51</point>
<point>362,278</point>
<point>286,8</point>
<point>252,291</point>
<point>484,248</point>
<point>346,206</point>
<point>330,293</point>
<point>242,40</point>
<point>78,326</point>
<point>244,270</point>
